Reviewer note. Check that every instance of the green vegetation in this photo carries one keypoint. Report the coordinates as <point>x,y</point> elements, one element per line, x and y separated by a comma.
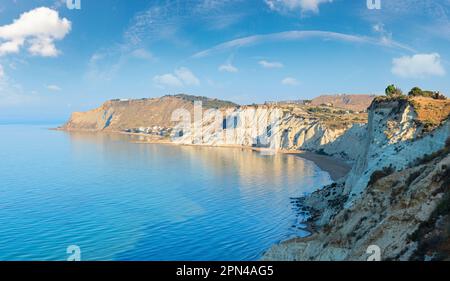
<point>207,102</point>
<point>393,91</point>
<point>418,92</point>
<point>432,108</point>
<point>319,110</point>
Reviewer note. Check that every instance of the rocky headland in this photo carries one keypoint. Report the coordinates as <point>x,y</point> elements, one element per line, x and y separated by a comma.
<point>395,197</point>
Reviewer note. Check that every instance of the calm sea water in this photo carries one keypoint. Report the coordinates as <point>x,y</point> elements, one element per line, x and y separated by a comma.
<point>119,200</point>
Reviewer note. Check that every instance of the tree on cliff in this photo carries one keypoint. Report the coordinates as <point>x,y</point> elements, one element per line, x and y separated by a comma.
<point>415,92</point>
<point>393,91</point>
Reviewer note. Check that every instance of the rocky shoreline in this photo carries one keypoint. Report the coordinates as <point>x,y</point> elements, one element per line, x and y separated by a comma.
<point>396,198</point>
<point>398,179</point>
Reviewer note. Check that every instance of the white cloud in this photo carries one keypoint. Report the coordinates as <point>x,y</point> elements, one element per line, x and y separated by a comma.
<point>186,76</point>
<point>38,29</point>
<point>228,67</point>
<point>54,88</point>
<point>181,77</point>
<point>296,5</point>
<point>296,35</point>
<point>269,64</point>
<point>2,72</point>
<point>289,81</point>
<point>142,54</point>
<point>418,66</point>
<point>167,80</point>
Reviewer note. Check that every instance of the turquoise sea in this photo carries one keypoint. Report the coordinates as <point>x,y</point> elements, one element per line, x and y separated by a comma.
<point>120,200</point>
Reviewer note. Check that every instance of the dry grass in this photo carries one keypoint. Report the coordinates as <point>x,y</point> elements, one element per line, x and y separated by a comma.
<point>431,111</point>
<point>332,117</point>
<point>348,102</point>
<point>335,118</point>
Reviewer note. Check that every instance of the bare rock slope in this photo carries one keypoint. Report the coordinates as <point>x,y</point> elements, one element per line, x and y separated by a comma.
<point>396,197</point>
<point>314,128</point>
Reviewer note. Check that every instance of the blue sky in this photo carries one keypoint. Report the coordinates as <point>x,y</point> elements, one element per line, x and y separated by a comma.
<point>55,60</point>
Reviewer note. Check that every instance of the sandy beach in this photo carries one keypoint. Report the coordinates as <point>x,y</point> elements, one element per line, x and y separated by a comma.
<point>335,167</point>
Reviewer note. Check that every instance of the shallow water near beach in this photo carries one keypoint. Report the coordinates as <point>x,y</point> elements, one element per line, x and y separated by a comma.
<point>119,200</point>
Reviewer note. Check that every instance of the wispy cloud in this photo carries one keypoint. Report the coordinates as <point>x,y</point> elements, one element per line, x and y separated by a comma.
<point>300,35</point>
<point>53,88</point>
<point>180,77</point>
<point>270,64</point>
<point>106,63</point>
<point>228,67</point>
<point>167,79</point>
<point>418,66</point>
<point>300,6</point>
<point>163,20</point>
<point>58,4</point>
<point>142,53</point>
<point>12,93</point>
<point>437,14</point>
<point>289,81</point>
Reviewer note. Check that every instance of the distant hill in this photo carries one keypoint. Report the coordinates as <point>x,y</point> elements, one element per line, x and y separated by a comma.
<point>206,102</point>
<point>119,114</point>
<point>350,102</point>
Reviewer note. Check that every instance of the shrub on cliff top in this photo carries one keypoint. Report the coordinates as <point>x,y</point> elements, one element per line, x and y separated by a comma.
<point>417,92</point>
<point>393,91</point>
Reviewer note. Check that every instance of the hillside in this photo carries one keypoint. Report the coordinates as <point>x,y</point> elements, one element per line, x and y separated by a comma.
<point>306,127</point>
<point>206,102</point>
<point>395,197</point>
<point>131,115</point>
<point>349,102</point>
<point>431,111</point>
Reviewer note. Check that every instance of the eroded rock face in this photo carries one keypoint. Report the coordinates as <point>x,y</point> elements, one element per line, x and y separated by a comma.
<point>387,215</point>
<point>384,211</point>
<point>288,131</point>
<point>275,127</point>
<point>394,139</point>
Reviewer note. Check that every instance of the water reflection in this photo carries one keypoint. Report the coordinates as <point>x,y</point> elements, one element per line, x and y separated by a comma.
<point>120,200</point>
<point>275,171</point>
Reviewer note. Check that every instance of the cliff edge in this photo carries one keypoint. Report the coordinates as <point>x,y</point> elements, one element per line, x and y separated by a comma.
<point>396,198</point>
